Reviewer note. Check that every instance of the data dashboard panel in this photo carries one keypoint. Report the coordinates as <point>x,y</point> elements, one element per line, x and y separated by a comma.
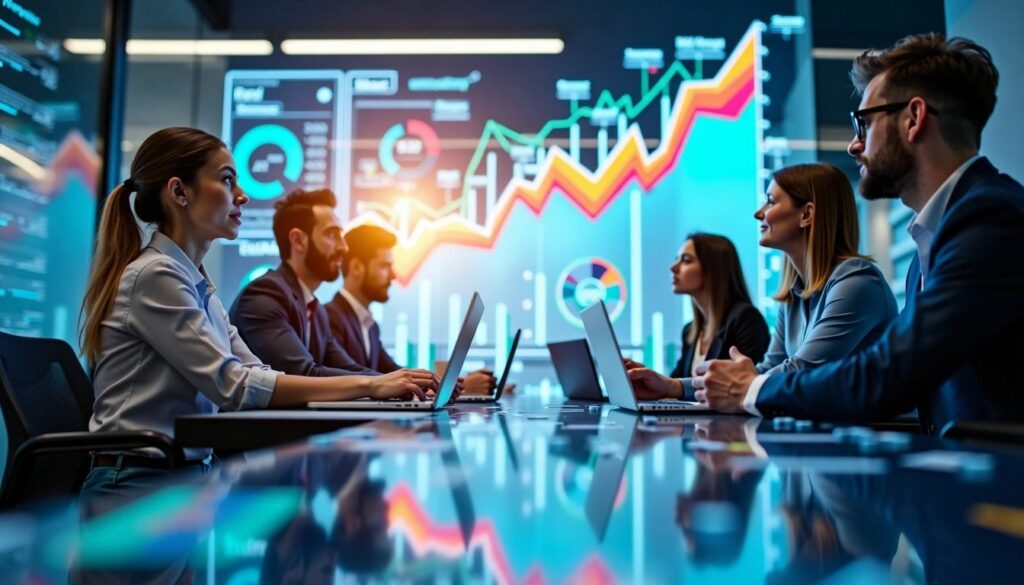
<point>48,166</point>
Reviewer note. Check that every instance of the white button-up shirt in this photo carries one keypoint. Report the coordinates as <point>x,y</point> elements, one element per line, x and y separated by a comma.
<point>365,317</point>
<point>307,297</point>
<point>923,225</point>
<point>167,349</point>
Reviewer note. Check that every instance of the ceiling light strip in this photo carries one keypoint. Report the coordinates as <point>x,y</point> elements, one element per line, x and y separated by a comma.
<point>451,46</point>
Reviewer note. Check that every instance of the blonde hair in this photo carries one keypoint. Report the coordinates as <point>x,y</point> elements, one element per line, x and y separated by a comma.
<point>167,153</point>
<point>834,234</point>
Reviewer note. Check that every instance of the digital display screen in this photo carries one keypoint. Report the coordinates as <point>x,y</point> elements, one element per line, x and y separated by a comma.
<point>48,167</point>
<point>282,127</point>
<point>545,183</point>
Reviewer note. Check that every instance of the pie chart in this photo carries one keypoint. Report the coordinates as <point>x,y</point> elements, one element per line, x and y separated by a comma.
<point>587,281</point>
<point>261,169</point>
<point>409,150</point>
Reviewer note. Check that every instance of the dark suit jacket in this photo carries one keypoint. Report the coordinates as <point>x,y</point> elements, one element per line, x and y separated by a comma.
<point>954,352</point>
<point>744,327</point>
<point>271,318</point>
<point>345,325</point>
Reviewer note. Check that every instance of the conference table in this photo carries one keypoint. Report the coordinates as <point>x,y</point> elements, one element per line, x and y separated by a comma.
<point>535,491</point>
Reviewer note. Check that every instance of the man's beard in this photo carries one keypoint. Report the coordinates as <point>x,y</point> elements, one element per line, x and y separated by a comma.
<point>890,172</point>
<point>320,266</point>
<point>377,294</point>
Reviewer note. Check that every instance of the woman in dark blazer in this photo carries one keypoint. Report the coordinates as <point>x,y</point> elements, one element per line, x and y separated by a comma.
<point>708,269</point>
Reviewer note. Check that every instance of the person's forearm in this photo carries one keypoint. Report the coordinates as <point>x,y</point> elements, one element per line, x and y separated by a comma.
<point>298,390</point>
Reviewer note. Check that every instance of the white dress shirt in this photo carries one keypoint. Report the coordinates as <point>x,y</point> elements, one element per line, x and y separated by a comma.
<point>363,314</point>
<point>922,230</point>
<point>307,297</point>
<point>698,357</point>
<point>923,225</point>
<point>167,349</point>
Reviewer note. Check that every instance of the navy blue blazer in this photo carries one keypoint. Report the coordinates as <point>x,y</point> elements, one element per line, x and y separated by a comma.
<point>744,327</point>
<point>270,314</point>
<point>348,332</point>
<point>954,351</point>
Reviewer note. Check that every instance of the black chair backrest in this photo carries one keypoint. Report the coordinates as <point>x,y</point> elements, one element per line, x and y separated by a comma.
<point>43,389</point>
<point>49,388</point>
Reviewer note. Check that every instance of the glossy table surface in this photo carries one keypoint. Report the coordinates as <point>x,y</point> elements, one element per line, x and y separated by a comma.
<point>533,492</point>
<point>232,432</point>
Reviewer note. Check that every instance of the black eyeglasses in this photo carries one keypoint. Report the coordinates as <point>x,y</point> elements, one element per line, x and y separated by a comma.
<point>860,125</point>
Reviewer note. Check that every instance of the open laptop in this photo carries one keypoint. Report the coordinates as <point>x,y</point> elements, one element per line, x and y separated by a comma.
<point>602,340</point>
<point>451,373</point>
<point>494,396</point>
<point>575,370</point>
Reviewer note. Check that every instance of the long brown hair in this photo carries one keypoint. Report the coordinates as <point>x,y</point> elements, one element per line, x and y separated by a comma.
<point>723,279</point>
<point>834,234</point>
<point>167,153</point>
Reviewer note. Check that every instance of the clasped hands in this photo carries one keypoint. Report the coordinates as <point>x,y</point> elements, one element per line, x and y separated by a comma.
<point>721,384</point>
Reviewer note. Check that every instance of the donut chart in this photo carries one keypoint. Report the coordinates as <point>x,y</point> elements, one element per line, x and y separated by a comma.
<point>409,150</point>
<point>587,281</point>
<point>259,177</point>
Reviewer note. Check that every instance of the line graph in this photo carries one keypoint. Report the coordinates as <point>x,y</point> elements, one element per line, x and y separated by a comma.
<point>590,191</point>
<point>502,134</point>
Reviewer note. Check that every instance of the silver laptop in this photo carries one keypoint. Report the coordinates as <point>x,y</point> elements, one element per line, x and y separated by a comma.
<point>451,373</point>
<point>575,370</point>
<point>605,348</point>
<point>496,394</point>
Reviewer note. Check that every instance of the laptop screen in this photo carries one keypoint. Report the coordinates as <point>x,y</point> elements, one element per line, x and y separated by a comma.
<point>575,369</point>
<point>462,343</point>
<point>508,364</point>
<point>601,338</point>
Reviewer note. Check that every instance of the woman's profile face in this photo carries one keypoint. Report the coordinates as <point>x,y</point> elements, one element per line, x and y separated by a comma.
<point>780,218</point>
<point>687,276</point>
<point>215,206</point>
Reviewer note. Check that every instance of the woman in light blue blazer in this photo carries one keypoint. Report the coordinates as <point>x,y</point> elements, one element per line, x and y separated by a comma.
<point>835,301</point>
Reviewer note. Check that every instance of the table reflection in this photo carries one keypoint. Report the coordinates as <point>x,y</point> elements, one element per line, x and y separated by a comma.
<point>545,493</point>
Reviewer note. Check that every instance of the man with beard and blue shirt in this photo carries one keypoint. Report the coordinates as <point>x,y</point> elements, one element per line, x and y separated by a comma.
<point>951,353</point>
<point>366,267</point>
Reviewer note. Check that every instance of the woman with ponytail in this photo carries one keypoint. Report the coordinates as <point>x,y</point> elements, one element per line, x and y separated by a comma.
<point>155,334</point>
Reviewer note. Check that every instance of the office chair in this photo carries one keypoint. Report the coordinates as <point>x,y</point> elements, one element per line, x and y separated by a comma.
<point>47,398</point>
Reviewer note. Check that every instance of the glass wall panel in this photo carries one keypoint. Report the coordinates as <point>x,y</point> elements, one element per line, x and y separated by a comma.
<point>48,164</point>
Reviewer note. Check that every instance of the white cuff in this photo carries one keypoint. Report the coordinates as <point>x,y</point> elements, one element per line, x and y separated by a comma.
<point>750,400</point>
<point>259,388</point>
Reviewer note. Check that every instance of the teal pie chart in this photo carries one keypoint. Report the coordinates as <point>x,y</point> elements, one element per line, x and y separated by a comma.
<point>263,135</point>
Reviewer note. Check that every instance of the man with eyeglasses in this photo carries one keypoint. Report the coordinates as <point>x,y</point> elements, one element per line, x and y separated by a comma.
<point>954,351</point>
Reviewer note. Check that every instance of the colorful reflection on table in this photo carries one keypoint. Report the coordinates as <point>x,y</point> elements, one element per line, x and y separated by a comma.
<point>554,493</point>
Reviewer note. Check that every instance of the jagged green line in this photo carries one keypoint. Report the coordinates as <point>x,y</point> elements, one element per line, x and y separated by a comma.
<point>502,133</point>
